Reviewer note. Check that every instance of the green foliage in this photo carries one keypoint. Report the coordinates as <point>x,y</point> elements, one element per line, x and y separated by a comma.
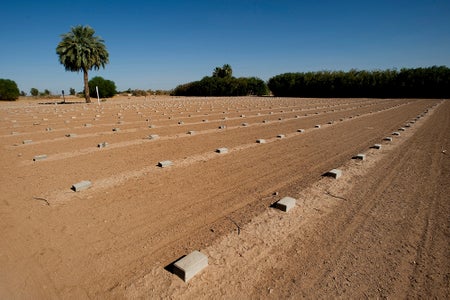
<point>23,94</point>
<point>80,50</point>
<point>218,86</point>
<point>106,88</point>
<point>224,72</point>
<point>34,92</point>
<point>8,90</point>
<point>222,83</point>
<point>433,82</point>
<point>72,91</point>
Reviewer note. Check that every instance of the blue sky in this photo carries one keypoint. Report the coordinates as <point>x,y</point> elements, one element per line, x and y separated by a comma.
<point>161,44</point>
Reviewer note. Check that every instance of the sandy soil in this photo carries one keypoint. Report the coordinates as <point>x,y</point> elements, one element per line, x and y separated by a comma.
<point>381,230</point>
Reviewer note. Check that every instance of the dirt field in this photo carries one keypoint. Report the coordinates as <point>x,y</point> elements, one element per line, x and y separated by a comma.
<point>382,230</point>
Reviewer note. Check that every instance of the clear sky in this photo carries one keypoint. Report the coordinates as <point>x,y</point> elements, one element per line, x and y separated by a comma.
<point>161,44</point>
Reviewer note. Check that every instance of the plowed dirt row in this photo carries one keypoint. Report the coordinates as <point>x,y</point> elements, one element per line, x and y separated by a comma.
<point>102,240</point>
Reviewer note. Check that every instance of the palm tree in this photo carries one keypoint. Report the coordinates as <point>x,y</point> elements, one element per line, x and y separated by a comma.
<point>80,50</point>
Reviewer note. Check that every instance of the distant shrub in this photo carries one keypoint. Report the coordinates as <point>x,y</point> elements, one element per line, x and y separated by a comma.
<point>138,93</point>
<point>8,90</point>
<point>106,88</point>
<point>34,92</point>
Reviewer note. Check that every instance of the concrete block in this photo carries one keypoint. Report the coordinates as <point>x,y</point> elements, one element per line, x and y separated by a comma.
<point>301,130</point>
<point>281,136</point>
<point>40,157</point>
<point>222,150</point>
<point>116,129</point>
<point>245,124</point>
<point>190,265</point>
<point>396,133</point>
<point>335,173</point>
<point>71,135</point>
<point>165,163</point>
<point>317,126</point>
<point>285,204</point>
<point>388,138</point>
<point>153,137</point>
<point>48,129</point>
<point>222,127</point>
<point>401,129</point>
<point>87,125</point>
<point>261,141</point>
<point>376,146</point>
<point>265,121</point>
<point>180,123</point>
<point>82,185</point>
<point>151,126</point>
<point>360,156</point>
<point>103,145</point>
<point>27,141</point>
<point>191,132</point>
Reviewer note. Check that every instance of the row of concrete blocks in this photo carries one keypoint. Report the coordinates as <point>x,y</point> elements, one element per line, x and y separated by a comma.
<point>192,264</point>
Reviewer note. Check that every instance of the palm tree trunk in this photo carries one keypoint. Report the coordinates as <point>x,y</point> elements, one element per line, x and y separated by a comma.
<point>86,87</point>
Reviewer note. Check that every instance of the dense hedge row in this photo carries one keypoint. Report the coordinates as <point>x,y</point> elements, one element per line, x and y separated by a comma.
<point>226,86</point>
<point>432,82</point>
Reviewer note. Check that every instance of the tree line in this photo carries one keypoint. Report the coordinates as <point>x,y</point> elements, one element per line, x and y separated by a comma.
<point>432,82</point>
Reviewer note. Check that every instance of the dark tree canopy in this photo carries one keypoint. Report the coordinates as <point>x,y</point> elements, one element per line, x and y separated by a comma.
<point>222,83</point>
<point>106,88</point>
<point>80,50</point>
<point>8,90</point>
<point>433,82</point>
<point>224,72</point>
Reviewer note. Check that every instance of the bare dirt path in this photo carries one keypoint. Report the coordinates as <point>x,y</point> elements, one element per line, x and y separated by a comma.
<point>113,240</point>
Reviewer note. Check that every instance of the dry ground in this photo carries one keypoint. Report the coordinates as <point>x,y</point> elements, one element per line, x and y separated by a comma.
<point>381,230</point>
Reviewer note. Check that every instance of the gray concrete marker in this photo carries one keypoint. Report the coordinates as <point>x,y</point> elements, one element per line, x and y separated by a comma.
<point>165,163</point>
<point>285,204</point>
<point>82,185</point>
<point>335,173</point>
<point>103,145</point>
<point>40,157</point>
<point>190,265</point>
<point>360,156</point>
<point>222,150</point>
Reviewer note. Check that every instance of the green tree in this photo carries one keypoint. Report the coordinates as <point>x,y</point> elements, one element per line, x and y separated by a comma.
<point>80,50</point>
<point>8,89</point>
<point>106,88</point>
<point>72,91</point>
<point>34,92</point>
<point>224,72</point>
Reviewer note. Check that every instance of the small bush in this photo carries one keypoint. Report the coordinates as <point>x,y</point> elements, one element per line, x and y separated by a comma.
<point>34,92</point>
<point>8,90</point>
<point>106,88</point>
